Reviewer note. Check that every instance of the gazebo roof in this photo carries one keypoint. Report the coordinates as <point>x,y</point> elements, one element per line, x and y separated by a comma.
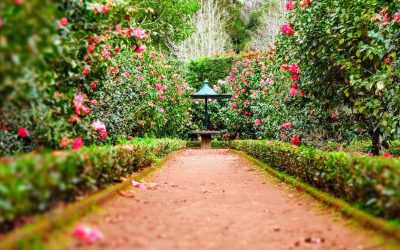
<point>207,92</point>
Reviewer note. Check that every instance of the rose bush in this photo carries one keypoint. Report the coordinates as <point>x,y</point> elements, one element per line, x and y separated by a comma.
<point>348,55</point>
<point>64,51</point>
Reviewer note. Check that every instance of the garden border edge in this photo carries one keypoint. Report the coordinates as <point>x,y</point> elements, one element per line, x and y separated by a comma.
<point>362,218</point>
<point>53,220</point>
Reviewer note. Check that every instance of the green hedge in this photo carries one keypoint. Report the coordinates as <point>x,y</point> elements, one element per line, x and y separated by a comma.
<point>370,183</point>
<point>210,68</point>
<point>33,183</point>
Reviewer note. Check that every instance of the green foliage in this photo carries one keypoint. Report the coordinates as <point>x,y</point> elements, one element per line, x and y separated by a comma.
<point>371,183</point>
<point>43,68</point>
<point>348,55</point>
<point>33,183</point>
<point>212,69</point>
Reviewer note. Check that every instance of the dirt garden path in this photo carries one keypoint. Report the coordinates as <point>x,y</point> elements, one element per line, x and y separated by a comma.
<point>214,200</point>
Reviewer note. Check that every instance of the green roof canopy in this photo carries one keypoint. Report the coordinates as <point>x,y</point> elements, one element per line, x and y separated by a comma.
<point>207,92</point>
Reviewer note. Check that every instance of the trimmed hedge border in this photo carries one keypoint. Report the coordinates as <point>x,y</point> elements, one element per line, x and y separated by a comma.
<point>34,233</point>
<point>369,183</point>
<point>360,216</point>
<point>34,183</point>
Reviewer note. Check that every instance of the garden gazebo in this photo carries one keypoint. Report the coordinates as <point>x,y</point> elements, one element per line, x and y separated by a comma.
<point>206,93</point>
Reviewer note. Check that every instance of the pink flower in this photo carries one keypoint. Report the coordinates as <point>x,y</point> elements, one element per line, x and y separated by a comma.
<point>139,33</point>
<point>85,110</point>
<point>63,21</point>
<point>23,132</point>
<point>287,29</point>
<point>138,68</point>
<point>99,126</point>
<point>287,125</point>
<point>294,69</point>
<point>139,185</point>
<point>396,18</point>
<point>141,49</point>
<point>104,135</point>
<point>93,102</point>
<point>87,234</point>
<point>290,6</point>
<point>104,10</point>
<point>161,110</point>
<point>305,3</point>
<point>77,143</point>
<point>258,122</point>
<point>126,74</point>
<point>292,92</point>
<point>140,78</point>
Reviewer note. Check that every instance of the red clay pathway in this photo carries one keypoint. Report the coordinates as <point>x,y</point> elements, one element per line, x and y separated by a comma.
<point>214,200</point>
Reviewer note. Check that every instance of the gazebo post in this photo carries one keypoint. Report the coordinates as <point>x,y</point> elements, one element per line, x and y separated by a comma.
<point>206,120</point>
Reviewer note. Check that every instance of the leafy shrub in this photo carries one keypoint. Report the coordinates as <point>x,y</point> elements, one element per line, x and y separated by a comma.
<point>349,63</point>
<point>372,183</point>
<point>33,183</point>
<point>52,60</point>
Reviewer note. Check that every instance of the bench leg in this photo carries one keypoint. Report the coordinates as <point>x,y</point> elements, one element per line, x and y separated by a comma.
<point>206,142</point>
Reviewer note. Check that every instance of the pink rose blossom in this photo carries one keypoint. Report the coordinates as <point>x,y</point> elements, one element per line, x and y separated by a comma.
<point>99,126</point>
<point>139,33</point>
<point>77,143</point>
<point>290,6</point>
<point>258,122</point>
<point>292,92</point>
<point>287,29</point>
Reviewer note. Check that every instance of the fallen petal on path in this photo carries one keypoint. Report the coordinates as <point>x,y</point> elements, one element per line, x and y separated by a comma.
<point>86,234</point>
<point>139,185</point>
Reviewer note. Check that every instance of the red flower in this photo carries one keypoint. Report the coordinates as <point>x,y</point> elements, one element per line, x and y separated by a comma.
<point>294,69</point>
<point>77,143</point>
<point>85,71</point>
<point>296,140</point>
<point>305,3</point>
<point>94,85</point>
<point>294,86</point>
<point>284,67</point>
<point>90,48</point>
<point>117,50</point>
<point>63,21</point>
<point>23,132</point>
<point>387,155</point>
<point>141,49</point>
<point>301,92</point>
<point>295,77</point>
<point>104,135</point>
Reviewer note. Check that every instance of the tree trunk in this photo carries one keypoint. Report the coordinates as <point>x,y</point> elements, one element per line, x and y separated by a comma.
<point>377,147</point>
